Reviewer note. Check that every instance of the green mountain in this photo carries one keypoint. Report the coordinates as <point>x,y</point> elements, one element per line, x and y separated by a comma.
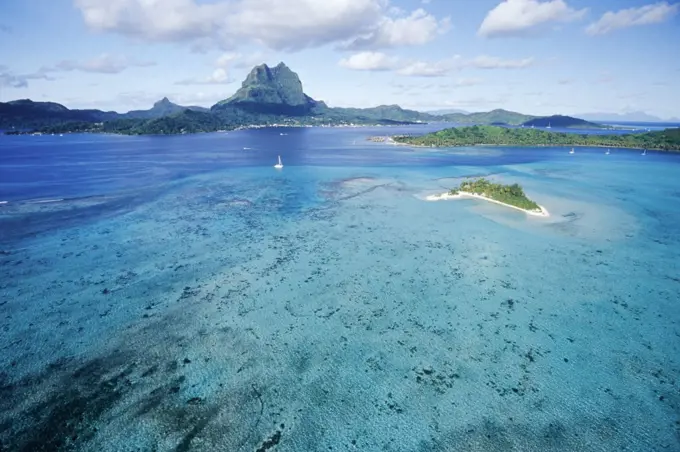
<point>161,108</point>
<point>666,140</point>
<point>271,91</point>
<point>268,95</point>
<point>563,122</point>
<point>25,113</point>
<point>498,116</point>
<point>389,112</point>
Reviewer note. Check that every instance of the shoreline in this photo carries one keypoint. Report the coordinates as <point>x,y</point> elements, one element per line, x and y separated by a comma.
<point>566,146</point>
<point>238,128</point>
<point>461,194</point>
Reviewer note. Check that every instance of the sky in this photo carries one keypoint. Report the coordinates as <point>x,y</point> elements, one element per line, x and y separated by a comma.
<point>537,57</point>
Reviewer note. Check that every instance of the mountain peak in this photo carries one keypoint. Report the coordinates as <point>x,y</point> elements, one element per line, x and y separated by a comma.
<point>164,102</point>
<point>274,90</point>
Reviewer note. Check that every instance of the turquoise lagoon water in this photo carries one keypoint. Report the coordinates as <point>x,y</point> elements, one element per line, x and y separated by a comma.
<point>179,293</point>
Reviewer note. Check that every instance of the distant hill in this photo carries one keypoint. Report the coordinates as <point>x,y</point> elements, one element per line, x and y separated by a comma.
<point>636,116</point>
<point>498,116</point>
<point>161,108</point>
<point>392,112</point>
<point>25,113</point>
<point>446,111</point>
<point>267,96</point>
<point>562,122</point>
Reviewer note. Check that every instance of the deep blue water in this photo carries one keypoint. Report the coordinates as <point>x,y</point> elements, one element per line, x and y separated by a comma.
<point>179,293</point>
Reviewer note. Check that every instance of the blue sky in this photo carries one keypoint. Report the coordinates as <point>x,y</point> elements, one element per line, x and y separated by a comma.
<point>533,56</point>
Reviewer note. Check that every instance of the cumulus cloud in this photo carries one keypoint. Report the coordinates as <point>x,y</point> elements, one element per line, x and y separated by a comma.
<point>239,60</point>
<point>12,80</point>
<point>219,76</point>
<point>644,15</point>
<point>102,64</point>
<point>416,29</point>
<point>428,68</point>
<point>223,66</point>
<point>227,59</point>
<point>370,61</point>
<point>279,25</point>
<point>520,17</point>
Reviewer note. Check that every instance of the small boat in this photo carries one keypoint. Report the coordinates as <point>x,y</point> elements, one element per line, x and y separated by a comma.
<point>644,152</point>
<point>279,165</point>
<point>607,152</point>
<point>572,151</point>
<point>548,126</point>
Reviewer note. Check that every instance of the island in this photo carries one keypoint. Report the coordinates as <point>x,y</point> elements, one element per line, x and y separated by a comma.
<point>268,97</point>
<point>663,140</point>
<point>565,122</point>
<point>506,195</point>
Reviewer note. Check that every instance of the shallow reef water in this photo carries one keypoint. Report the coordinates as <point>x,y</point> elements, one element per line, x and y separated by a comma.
<point>198,299</point>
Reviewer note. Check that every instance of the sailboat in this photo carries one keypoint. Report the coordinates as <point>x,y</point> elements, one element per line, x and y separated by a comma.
<point>548,126</point>
<point>644,152</point>
<point>607,152</point>
<point>279,165</point>
<point>572,151</point>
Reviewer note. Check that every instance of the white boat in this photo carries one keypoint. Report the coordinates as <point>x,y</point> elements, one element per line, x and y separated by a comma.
<point>607,152</point>
<point>548,126</point>
<point>572,151</point>
<point>279,165</point>
<point>644,152</point>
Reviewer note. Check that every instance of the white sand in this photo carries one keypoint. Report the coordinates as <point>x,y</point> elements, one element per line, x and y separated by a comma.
<point>442,197</point>
<point>447,196</point>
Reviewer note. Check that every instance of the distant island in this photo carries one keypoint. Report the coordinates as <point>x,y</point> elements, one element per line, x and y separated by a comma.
<point>564,122</point>
<point>664,140</point>
<point>269,96</point>
<point>507,195</point>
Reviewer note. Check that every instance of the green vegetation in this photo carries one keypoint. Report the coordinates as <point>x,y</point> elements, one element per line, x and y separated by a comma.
<point>508,194</point>
<point>267,96</point>
<point>665,140</point>
<point>564,122</point>
<point>498,116</point>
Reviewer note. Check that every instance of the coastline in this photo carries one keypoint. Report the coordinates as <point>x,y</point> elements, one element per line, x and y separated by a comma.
<point>566,146</point>
<point>237,128</point>
<point>448,196</point>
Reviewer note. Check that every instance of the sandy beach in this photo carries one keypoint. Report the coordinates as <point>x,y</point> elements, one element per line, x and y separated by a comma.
<point>448,196</point>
